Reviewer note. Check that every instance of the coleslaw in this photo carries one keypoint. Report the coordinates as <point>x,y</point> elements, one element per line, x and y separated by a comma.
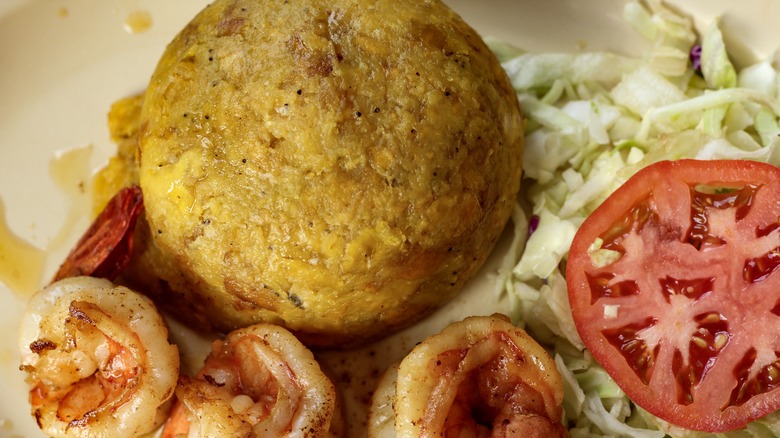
<point>593,120</point>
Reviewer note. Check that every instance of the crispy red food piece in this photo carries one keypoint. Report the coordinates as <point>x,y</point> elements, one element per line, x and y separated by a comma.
<point>106,247</point>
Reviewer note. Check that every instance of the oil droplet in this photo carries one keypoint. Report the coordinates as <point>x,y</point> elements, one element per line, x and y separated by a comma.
<point>138,22</point>
<point>21,264</point>
<point>6,356</point>
<point>71,172</point>
<point>69,169</point>
<point>6,424</point>
<point>62,12</point>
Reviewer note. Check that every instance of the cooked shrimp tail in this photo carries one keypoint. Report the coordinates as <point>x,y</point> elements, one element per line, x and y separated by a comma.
<point>97,359</point>
<point>258,381</point>
<point>479,377</point>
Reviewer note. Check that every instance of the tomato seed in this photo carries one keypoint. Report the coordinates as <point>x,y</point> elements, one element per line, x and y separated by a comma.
<point>638,354</point>
<point>600,287</point>
<point>701,343</point>
<point>759,268</point>
<point>720,341</point>
<point>773,373</point>
<point>705,198</point>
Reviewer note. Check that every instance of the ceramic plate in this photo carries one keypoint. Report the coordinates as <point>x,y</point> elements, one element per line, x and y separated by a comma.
<point>62,64</point>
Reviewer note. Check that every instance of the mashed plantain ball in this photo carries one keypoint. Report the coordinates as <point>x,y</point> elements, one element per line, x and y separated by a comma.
<point>341,168</point>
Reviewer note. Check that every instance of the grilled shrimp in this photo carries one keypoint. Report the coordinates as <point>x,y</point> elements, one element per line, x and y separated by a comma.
<point>259,381</point>
<point>97,359</point>
<point>481,377</point>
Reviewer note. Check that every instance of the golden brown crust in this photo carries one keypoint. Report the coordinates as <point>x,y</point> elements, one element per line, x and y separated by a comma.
<point>121,169</point>
<point>338,167</point>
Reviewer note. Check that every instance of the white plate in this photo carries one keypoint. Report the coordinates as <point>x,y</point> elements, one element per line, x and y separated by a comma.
<point>63,62</point>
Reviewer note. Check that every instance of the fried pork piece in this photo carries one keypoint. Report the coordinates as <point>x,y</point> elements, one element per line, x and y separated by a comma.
<point>340,168</point>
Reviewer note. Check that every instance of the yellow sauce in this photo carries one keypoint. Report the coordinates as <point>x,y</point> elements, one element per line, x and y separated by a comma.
<point>138,22</point>
<point>21,264</point>
<point>71,171</point>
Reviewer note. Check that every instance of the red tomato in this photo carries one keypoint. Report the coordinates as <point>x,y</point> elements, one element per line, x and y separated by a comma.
<point>684,310</point>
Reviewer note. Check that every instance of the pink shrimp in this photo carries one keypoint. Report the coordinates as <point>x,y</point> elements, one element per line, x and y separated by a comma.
<point>97,359</point>
<point>258,381</point>
<point>481,377</point>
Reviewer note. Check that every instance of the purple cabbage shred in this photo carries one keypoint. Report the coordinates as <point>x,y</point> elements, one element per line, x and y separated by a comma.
<point>533,224</point>
<point>695,57</point>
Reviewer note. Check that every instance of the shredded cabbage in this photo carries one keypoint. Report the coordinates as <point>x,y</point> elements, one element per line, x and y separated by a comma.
<point>594,119</point>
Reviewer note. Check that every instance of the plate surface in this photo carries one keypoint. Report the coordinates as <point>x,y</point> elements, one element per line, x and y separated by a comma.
<point>64,62</point>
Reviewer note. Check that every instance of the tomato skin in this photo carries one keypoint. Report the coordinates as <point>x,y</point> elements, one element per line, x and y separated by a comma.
<point>686,319</point>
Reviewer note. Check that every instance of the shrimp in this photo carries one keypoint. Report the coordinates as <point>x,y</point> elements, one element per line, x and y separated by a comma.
<point>97,359</point>
<point>381,417</point>
<point>259,381</point>
<point>480,377</point>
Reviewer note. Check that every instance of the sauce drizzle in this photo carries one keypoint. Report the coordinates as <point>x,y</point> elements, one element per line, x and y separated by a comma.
<point>21,263</point>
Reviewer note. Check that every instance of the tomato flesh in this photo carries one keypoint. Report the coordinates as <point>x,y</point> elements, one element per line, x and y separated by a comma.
<point>693,279</point>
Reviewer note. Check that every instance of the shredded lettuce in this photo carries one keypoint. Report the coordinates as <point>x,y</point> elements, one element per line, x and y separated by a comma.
<point>546,247</point>
<point>716,66</point>
<point>761,77</point>
<point>541,70</point>
<point>594,119</point>
<point>614,421</point>
<point>644,89</point>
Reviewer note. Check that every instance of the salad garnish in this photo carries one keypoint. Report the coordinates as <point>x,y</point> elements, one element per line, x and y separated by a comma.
<point>594,119</point>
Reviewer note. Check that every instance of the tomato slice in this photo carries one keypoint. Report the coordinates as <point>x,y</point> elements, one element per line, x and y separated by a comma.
<point>674,289</point>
